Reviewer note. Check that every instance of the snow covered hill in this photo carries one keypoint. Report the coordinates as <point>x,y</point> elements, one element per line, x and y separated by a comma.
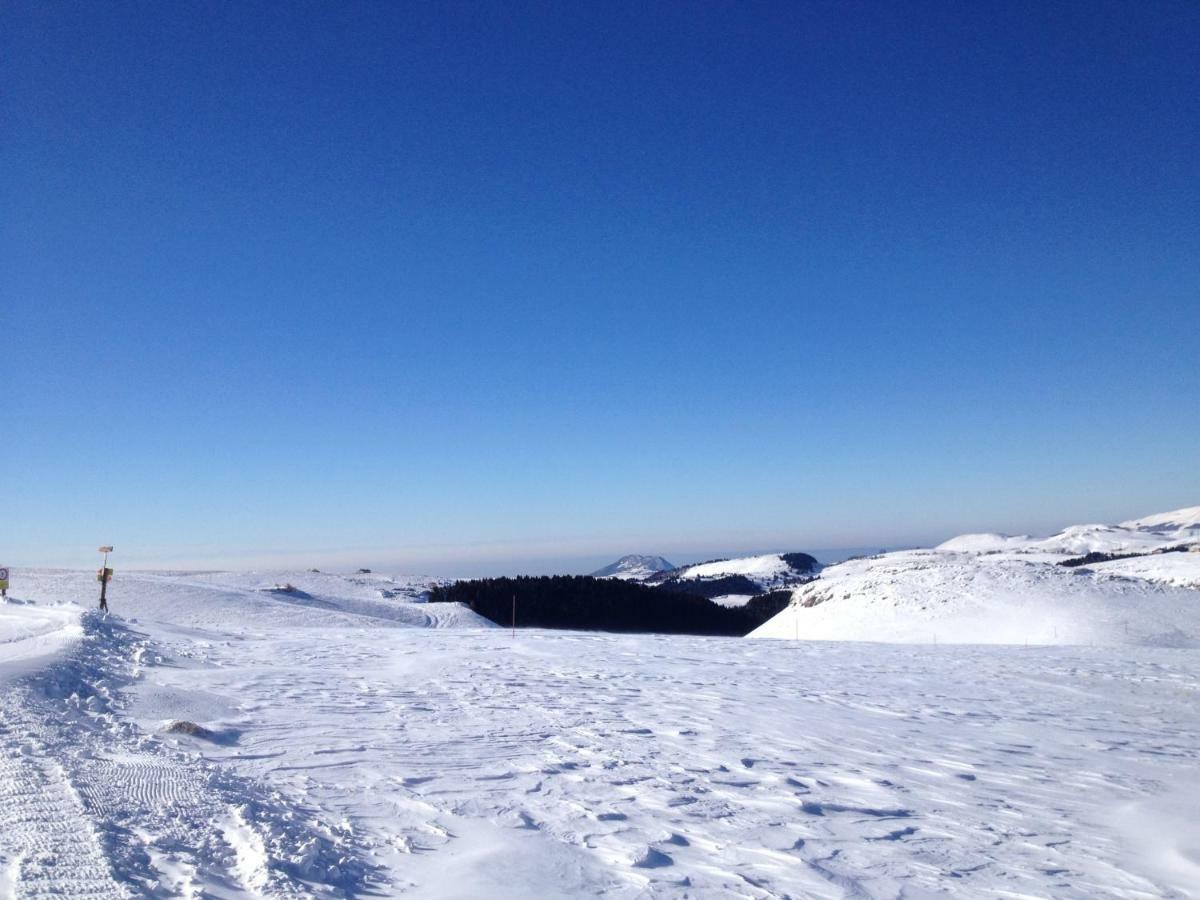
<point>1181,526</point>
<point>732,582</point>
<point>634,568</point>
<point>987,588</point>
<point>1174,522</point>
<point>766,571</point>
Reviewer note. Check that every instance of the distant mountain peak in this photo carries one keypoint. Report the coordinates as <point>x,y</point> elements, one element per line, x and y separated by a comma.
<point>634,567</point>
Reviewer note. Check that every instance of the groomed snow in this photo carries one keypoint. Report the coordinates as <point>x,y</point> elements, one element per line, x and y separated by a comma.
<point>353,751</point>
<point>32,636</point>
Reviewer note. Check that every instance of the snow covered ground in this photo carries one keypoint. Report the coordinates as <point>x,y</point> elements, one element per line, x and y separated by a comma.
<point>362,743</point>
<point>997,589</point>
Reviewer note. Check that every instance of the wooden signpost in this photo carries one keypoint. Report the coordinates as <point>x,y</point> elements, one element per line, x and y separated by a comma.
<point>104,576</point>
<point>4,582</point>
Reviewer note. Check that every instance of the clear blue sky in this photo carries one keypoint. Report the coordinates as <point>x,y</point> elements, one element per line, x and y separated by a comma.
<point>472,287</point>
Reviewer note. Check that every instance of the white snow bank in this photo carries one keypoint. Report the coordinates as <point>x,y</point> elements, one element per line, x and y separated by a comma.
<point>32,635</point>
<point>1000,589</point>
<point>939,597</point>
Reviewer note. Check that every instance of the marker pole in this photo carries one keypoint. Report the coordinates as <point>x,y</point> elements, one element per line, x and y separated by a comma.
<point>104,578</point>
<point>104,582</point>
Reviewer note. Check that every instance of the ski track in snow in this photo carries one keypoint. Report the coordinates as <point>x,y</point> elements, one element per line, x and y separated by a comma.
<point>360,755</point>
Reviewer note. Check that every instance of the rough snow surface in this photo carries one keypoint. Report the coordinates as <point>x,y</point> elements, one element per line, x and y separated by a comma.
<point>356,754</point>
<point>1178,569</point>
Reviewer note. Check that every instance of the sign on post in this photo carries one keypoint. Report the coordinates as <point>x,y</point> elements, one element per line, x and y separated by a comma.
<point>104,576</point>
<point>3,578</point>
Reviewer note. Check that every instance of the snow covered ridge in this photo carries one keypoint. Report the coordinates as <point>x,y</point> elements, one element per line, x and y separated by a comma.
<point>732,582</point>
<point>1144,535</point>
<point>1000,589</point>
<point>768,571</point>
<point>728,582</point>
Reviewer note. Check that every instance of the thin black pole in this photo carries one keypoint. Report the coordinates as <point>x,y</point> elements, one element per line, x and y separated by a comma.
<point>514,617</point>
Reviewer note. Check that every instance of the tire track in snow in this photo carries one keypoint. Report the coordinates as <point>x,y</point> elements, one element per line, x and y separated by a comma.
<point>91,807</point>
<point>48,846</point>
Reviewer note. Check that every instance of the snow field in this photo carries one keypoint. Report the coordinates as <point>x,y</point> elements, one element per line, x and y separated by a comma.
<point>563,764</point>
<point>356,750</point>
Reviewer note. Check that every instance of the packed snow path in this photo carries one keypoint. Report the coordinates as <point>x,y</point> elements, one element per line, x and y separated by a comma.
<point>354,754</point>
<point>90,806</point>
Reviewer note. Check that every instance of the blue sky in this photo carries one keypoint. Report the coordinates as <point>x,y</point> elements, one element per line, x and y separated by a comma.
<point>499,287</point>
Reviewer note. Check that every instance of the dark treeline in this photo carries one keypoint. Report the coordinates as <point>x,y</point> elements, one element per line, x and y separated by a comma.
<point>1097,557</point>
<point>604,604</point>
<point>800,562</point>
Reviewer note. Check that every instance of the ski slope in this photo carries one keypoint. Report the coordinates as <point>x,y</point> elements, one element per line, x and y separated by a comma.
<point>359,742</point>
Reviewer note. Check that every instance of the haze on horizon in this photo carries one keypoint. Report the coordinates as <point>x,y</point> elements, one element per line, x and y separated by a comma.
<point>464,290</point>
